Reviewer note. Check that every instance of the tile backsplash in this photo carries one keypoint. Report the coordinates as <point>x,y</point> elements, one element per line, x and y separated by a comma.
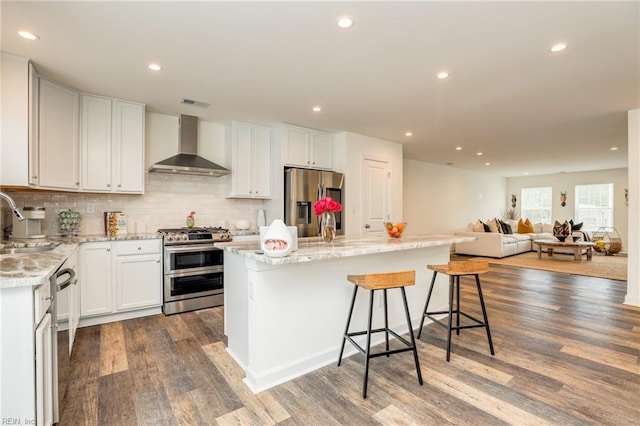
<point>167,201</point>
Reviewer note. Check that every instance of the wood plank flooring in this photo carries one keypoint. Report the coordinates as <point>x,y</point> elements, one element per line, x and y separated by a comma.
<point>567,353</point>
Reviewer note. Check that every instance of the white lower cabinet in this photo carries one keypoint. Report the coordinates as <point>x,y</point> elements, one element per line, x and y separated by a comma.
<point>120,276</point>
<point>95,276</point>
<point>44,372</point>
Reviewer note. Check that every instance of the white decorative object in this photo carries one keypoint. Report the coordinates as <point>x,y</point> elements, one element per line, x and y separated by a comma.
<point>242,224</point>
<point>261,220</point>
<point>277,240</point>
<point>293,230</point>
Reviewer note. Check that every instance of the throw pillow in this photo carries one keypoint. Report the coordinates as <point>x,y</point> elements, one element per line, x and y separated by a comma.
<point>506,228</point>
<point>575,226</point>
<point>561,230</point>
<point>478,226</point>
<point>493,225</point>
<point>525,227</point>
<point>486,227</point>
<point>469,227</point>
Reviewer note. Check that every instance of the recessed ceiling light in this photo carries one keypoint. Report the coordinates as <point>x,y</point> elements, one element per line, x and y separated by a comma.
<point>155,67</point>
<point>443,74</point>
<point>408,133</point>
<point>487,164</point>
<point>345,22</point>
<point>28,35</point>
<point>458,148</point>
<point>558,47</point>
<point>317,109</point>
<point>526,173</point>
<point>613,148</point>
<point>478,153</point>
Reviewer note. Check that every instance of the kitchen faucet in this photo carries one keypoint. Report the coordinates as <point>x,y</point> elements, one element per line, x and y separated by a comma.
<point>12,204</point>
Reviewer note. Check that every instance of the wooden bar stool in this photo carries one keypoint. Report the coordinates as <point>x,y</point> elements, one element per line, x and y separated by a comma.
<point>373,282</point>
<point>455,270</point>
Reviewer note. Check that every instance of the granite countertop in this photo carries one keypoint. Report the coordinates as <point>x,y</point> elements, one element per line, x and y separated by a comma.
<point>313,249</point>
<point>33,269</point>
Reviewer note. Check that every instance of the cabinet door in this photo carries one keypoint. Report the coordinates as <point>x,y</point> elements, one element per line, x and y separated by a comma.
<point>44,372</point>
<point>138,281</point>
<point>58,136</point>
<point>242,164</point>
<point>128,147</point>
<point>261,160</point>
<point>95,270</point>
<point>321,150</point>
<point>34,148</point>
<point>96,143</point>
<point>297,146</point>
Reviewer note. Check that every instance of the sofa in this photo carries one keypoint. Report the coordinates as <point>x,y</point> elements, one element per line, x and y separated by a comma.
<point>497,244</point>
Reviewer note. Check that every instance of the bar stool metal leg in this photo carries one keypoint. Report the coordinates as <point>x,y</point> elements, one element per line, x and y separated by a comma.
<point>450,318</point>
<point>458,305</point>
<point>386,323</point>
<point>484,314</point>
<point>426,305</point>
<point>368,348</point>
<point>413,340</point>
<point>346,330</point>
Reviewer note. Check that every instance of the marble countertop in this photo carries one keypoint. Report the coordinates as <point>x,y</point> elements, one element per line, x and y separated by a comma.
<point>313,249</point>
<point>33,269</point>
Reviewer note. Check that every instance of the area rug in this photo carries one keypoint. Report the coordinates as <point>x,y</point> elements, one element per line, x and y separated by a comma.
<point>612,267</point>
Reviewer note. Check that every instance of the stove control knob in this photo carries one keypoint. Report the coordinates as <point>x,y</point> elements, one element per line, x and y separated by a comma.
<point>169,237</point>
<point>184,237</point>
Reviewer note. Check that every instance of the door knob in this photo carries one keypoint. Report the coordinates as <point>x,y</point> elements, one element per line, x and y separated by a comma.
<point>367,226</point>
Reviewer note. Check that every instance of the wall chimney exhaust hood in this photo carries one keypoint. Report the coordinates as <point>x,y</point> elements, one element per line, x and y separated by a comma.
<point>188,162</point>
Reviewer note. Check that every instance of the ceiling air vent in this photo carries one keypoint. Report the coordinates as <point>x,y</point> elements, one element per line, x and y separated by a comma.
<point>191,102</point>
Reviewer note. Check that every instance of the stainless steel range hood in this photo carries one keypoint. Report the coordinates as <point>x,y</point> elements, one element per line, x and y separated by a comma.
<point>188,162</point>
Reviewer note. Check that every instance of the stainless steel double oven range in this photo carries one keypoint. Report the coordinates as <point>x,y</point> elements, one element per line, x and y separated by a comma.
<point>193,268</point>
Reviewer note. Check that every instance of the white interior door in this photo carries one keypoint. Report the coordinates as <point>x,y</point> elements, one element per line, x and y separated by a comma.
<point>376,176</point>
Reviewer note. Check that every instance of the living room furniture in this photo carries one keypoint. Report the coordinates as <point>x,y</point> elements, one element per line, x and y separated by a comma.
<point>455,270</point>
<point>372,282</point>
<point>576,246</point>
<point>499,245</point>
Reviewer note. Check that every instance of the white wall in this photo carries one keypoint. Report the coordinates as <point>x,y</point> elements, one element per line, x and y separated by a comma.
<point>356,148</point>
<point>560,182</point>
<point>442,199</point>
<point>633,273</point>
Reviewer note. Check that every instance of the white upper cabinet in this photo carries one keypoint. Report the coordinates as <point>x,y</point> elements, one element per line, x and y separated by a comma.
<point>58,136</point>
<point>34,140</point>
<point>14,79</point>
<point>112,141</point>
<point>307,148</point>
<point>249,155</point>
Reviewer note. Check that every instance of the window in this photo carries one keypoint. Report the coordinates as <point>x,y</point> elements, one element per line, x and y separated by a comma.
<point>594,205</point>
<point>536,204</point>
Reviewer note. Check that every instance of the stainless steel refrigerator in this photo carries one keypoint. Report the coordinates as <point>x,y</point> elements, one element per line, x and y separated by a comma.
<point>302,188</point>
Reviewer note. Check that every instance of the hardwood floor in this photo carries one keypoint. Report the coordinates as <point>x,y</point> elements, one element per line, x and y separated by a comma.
<point>567,353</point>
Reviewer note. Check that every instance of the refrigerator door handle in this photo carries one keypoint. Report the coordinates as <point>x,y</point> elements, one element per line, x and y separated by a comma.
<point>319,195</point>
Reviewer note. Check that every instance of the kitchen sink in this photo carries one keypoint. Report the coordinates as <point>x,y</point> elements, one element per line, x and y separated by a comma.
<point>28,249</point>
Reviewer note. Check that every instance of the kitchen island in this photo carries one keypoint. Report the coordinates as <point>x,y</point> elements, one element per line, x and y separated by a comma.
<point>285,317</point>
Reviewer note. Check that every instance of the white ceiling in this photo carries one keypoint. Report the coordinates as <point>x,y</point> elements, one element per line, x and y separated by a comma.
<point>528,110</point>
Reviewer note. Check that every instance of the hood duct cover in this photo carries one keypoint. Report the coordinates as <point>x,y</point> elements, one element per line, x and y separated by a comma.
<point>188,162</point>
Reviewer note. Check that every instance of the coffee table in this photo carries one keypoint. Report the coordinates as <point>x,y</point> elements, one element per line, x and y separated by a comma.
<point>577,247</point>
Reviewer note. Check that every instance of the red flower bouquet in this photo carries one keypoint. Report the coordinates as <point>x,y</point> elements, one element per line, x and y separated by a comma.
<point>326,205</point>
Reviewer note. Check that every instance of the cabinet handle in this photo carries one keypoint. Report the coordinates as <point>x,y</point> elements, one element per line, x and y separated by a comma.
<point>77,183</point>
<point>108,249</point>
<point>48,298</point>
<point>157,261</point>
<point>119,186</point>
<point>139,248</point>
<point>34,177</point>
<point>108,185</point>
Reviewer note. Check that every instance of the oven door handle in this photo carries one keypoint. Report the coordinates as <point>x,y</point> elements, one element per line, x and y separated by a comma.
<point>190,248</point>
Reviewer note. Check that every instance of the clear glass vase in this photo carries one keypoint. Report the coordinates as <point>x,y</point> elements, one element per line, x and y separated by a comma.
<point>328,226</point>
